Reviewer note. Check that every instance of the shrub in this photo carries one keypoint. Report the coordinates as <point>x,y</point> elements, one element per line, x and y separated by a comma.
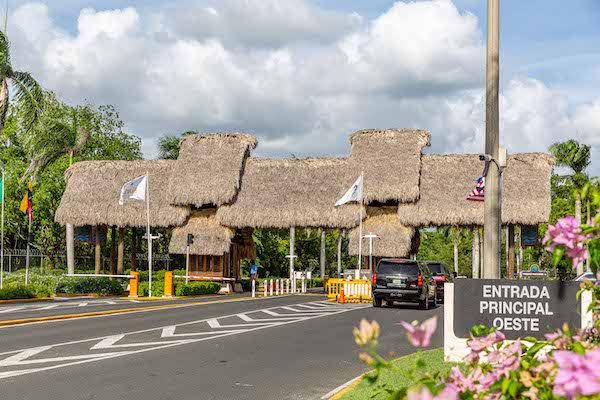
<point>197,288</point>
<point>81,285</point>
<point>158,288</point>
<point>24,292</point>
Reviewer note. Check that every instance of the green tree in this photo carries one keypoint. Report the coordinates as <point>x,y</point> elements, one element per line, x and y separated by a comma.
<point>577,157</point>
<point>27,92</point>
<point>456,236</point>
<point>168,145</point>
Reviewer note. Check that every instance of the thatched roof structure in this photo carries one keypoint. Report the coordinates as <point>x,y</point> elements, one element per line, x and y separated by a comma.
<point>209,168</point>
<point>391,161</point>
<point>286,192</point>
<point>210,238</point>
<point>93,189</point>
<point>396,240</point>
<point>447,179</point>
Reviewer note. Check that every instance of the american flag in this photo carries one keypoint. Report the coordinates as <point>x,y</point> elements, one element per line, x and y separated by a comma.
<point>477,194</point>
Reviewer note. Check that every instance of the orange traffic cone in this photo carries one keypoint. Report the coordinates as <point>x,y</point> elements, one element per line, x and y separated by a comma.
<point>342,299</point>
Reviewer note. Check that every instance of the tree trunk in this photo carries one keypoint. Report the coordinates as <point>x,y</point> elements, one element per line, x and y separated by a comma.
<point>578,218</point>
<point>292,250</point>
<point>323,254</point>
<point>339,254</point>
<point>120,250</point>
<point>70,249</point>
<point>475,263</point>
<point>98,260</point>
<point>3,103</point>
<point>510,271</point>
<point>113,242</point>
<point>134,249</point>
<point>456,257</point>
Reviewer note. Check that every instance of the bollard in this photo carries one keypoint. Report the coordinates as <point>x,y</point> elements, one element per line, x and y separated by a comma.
<point>276,287</point>
<point>253,288</point>
<point>168,291</point>
<point>287,286</point>
<point>265,283</point>
<point>133,284</point>
<point>271,288</point>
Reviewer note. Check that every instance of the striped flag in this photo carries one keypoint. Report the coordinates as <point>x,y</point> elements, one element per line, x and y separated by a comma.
<point>477,194</point>
<point>27,202</point>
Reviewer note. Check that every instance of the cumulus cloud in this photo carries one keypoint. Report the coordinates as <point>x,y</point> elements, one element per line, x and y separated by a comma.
<point>299,77</point>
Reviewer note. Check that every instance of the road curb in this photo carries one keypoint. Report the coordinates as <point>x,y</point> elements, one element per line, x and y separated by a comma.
<point>121,311</point>
<point>34,300</point>
<point>173,297</point>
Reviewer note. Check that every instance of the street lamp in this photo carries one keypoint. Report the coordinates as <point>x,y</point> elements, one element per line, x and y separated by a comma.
<point>371,236</point>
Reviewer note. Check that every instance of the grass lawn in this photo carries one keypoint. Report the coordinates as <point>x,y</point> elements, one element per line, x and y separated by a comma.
<point>434,360</point>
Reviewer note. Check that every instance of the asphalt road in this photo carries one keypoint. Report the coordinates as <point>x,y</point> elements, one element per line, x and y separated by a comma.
<point>294,347</point>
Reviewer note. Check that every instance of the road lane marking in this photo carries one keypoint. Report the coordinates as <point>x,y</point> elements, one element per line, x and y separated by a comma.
<point>62,353</point>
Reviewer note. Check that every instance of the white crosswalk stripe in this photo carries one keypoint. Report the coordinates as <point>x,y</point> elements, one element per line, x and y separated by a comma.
<point>94,349</point>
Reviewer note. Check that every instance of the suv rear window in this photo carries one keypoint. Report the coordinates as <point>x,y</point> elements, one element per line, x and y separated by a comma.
<point>435,268</point>
<point>386,268</point>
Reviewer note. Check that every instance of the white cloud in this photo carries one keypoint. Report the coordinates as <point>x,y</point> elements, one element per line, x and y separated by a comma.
<point>299,77</point>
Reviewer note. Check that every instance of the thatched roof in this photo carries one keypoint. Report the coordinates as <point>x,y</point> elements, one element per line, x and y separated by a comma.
<point>286,192</point>
<point>447,179</point>
<point>209,168</point>
<point>391,161</point>
<point>396,240</point>
<point>210,238</point>
<point>93,188</point>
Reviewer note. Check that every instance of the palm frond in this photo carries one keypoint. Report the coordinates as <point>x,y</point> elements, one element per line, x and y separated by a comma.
<point>29,94</point>
<point>4,53</point>
<point>83,137</point>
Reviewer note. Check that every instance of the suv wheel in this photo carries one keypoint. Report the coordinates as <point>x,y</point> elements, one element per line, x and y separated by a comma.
<point>435,300</point>
<point>376,302</point>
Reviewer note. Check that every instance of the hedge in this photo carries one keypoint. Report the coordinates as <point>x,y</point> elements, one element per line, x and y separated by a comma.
<point>76,285</point>
<point>197,288</point>
<point>158,288</point>
<point>24,292</point>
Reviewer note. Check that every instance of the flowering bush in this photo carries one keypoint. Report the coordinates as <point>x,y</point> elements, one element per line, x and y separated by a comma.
<point>564,365</point>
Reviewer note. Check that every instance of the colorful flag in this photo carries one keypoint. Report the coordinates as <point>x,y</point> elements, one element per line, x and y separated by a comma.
<point>27,202</point>
<point>477,194</point>
<point>134,189</point>
<point>353,194</point>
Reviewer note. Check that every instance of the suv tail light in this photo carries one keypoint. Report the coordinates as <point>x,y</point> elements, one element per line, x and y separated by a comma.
<point>420,280</point>
<point>443,278</point>
<point>374,279</point>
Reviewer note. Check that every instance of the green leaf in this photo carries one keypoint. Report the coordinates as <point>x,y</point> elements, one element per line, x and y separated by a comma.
<point>535,348</point>
<point>529,339</point>
<point>512,389</point>
<point>480,330</point>
<point>557,255</point>
<point>505,385</point>
<point>578,348</point>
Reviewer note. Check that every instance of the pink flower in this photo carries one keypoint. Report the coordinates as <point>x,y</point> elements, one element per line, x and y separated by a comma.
<point>424,394</point>
<point>577,374</point>
<point>420,335</point>
<point>478,344</point>
<point>366,333</point>
<point>566,232</point>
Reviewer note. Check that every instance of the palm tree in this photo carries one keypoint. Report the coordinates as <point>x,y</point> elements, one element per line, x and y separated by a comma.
<point>168,145</point>
<point>57,137</point>
<point>577,157</point>
<point>27,92</point>
<point>456,235</point>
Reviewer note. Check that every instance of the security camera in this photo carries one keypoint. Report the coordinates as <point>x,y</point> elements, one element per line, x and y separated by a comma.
<point>485,157</point>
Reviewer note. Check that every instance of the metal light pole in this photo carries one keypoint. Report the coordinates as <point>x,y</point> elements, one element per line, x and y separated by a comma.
<point>371,236</point>
<point>491,230</point>
<point>2,240</point>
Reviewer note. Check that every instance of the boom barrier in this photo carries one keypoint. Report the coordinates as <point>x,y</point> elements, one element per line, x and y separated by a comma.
<point>354,291</point>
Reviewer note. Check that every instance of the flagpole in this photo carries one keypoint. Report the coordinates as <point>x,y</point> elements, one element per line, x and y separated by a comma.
<point>28,236</point>
<point>360,218</point>
<point>2,239</point>
<point>148,235</point>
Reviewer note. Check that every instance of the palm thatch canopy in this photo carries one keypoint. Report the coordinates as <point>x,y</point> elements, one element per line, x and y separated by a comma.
<point>447,179</point>
<point>396,240</point>
<point>93,189</point>
<point>210,238</point>
<point>286,192</point>
<point>391,161</point>
<point>209,168</point>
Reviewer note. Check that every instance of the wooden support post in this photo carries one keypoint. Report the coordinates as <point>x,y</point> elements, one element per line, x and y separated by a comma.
<point>121,250</point>
<point>511,252</point>
<point>292,250</point>
<point>134,249</point>
<point>475,263</point>
<point>113,242</point>
<point>98,259</point>
<point>323,254</point>
<point>339,253</point>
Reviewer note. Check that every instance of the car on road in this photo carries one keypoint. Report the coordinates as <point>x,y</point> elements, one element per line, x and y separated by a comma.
<point>406,281</point>
<point>590,276</point>
<point>441,274</point>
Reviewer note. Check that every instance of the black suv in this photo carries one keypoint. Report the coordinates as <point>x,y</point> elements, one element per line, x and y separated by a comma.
<point>403,281</point>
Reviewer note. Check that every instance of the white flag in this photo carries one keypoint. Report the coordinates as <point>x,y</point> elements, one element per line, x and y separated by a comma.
<point>134,189</point>
<point>353,194</point>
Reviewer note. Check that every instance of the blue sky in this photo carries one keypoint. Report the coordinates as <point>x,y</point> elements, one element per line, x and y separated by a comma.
<point>302,75</point>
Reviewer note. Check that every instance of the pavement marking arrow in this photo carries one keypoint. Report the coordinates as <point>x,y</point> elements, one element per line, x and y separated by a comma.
<point>109,343</point>
<point>169,331</point>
